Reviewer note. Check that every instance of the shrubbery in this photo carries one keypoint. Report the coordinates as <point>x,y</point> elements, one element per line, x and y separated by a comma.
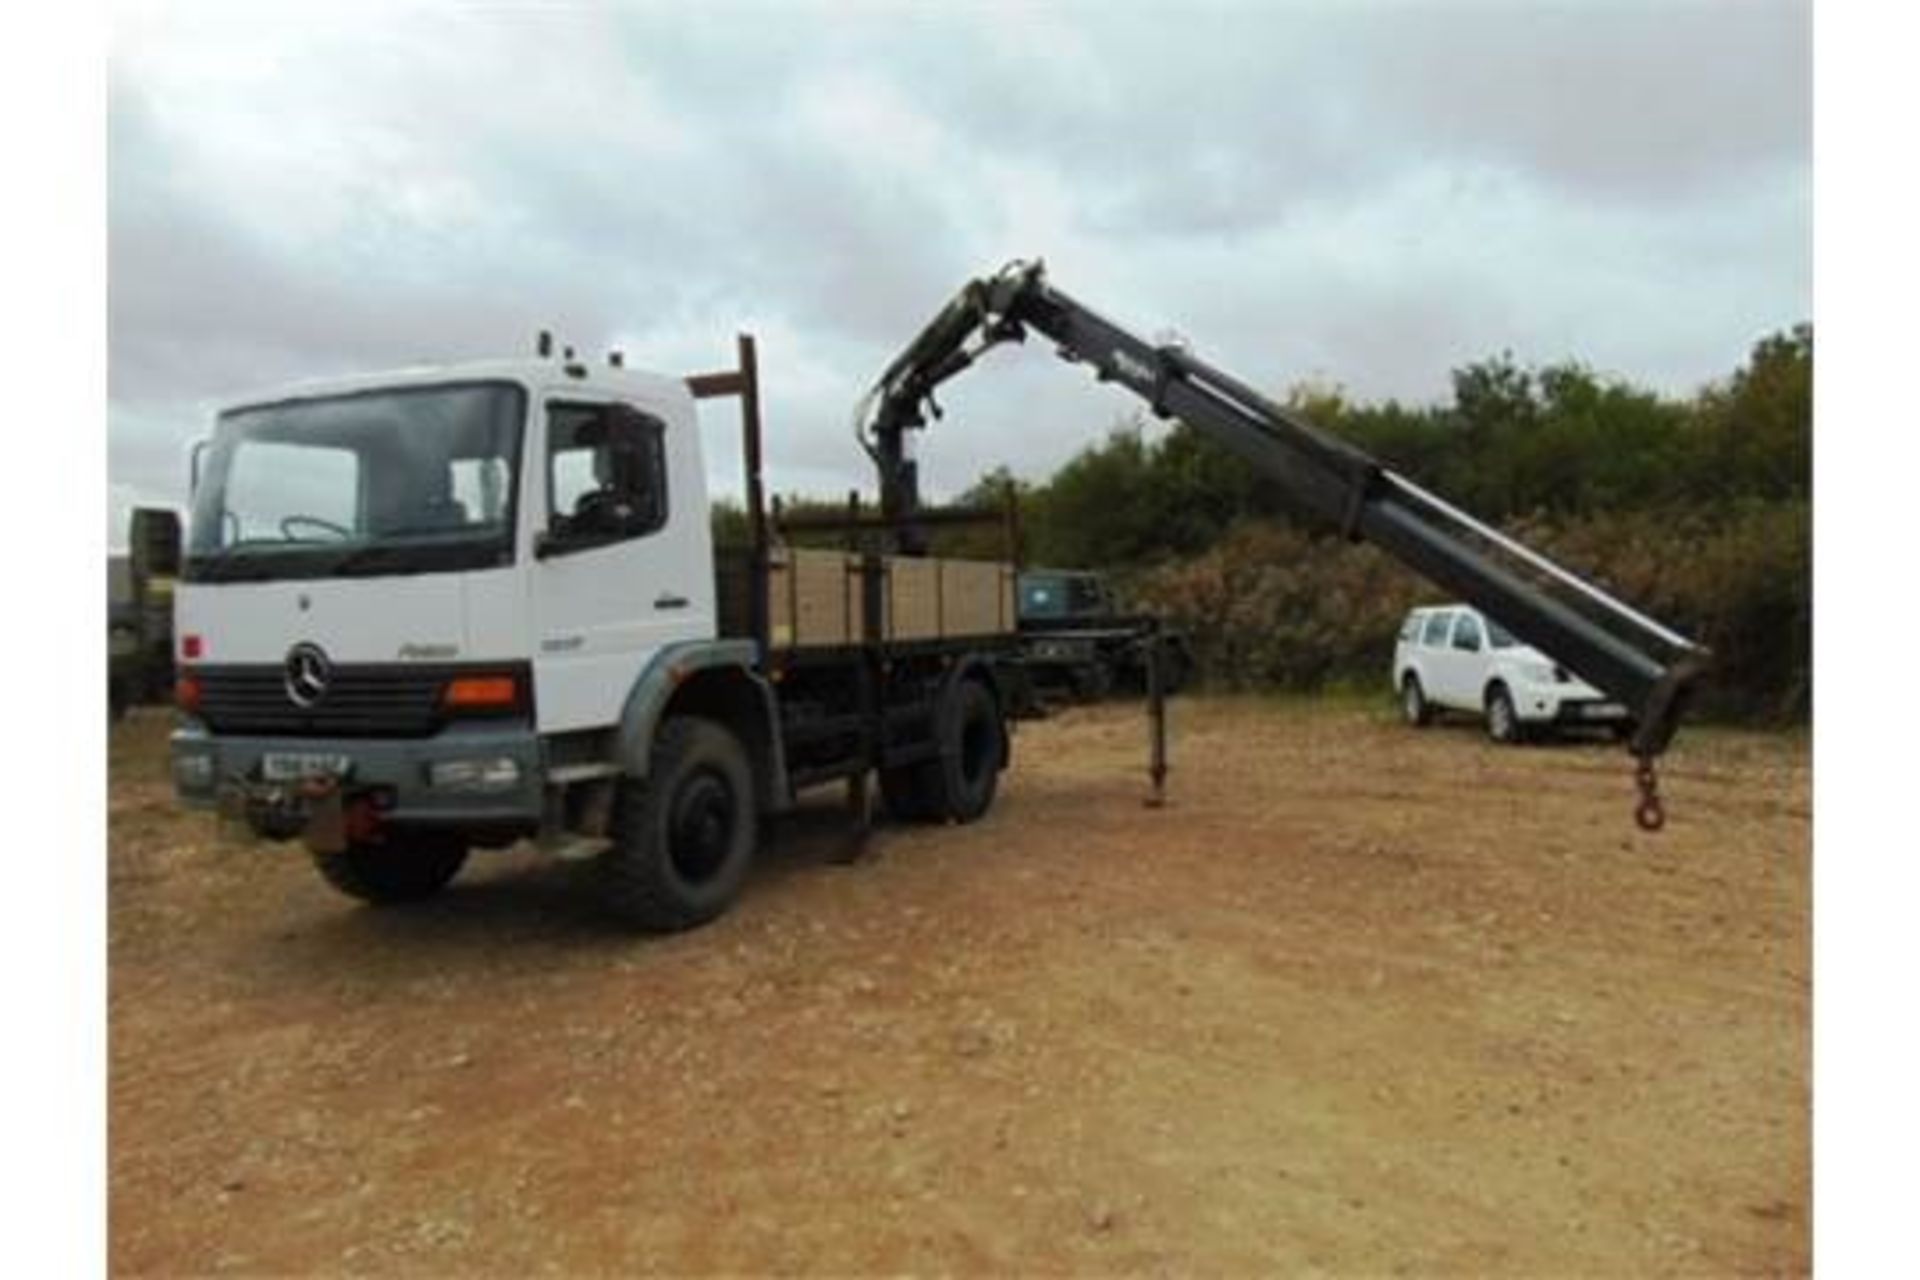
<point>1270,606</point>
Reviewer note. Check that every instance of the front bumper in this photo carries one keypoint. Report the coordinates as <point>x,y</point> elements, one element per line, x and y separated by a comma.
<point>1559,704</point>
<point>398,775</point>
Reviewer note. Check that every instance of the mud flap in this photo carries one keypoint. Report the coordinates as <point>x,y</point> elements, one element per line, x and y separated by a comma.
<point>313,810</point>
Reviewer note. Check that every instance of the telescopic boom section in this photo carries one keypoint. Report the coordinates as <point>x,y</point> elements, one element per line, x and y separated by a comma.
<point>1632,658</point>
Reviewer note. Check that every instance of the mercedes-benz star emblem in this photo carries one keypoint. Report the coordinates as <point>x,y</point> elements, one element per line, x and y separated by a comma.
<point>308,673</point>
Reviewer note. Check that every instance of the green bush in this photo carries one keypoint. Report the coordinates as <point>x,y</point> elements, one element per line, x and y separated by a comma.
<point>1271,606</point>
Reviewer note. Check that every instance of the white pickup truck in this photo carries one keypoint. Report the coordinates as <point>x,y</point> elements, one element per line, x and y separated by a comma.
<point>1455,658</point>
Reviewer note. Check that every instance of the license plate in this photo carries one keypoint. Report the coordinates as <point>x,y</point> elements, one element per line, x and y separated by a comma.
<point>1603,711</point>
<point>291,766</point>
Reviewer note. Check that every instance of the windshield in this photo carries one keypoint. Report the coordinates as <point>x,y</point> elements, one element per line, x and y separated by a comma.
<point>1059,595</point>
<point>401,481</point>
<point>1498,636</point>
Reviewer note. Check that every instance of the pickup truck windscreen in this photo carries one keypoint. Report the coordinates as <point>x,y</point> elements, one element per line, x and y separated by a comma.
<point>410,480</point>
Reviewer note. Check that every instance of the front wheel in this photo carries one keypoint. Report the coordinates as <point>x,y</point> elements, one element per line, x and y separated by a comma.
<point>1503,721</point>
<point>684,836</point>
<point>403,868</point>
<point>1414,706</point>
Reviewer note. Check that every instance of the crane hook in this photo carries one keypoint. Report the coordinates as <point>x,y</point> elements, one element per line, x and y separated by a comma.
<point>1650,814</point>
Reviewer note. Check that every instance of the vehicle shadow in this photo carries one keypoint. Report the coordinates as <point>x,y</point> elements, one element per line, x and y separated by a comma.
<point>1555,739</point>
<point>518,901</point>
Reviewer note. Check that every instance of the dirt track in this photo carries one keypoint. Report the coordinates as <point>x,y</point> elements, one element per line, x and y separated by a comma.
<point>1362,1001</point>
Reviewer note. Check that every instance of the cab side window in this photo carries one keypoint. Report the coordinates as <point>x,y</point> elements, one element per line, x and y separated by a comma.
<point>606,473</point>
<point>1466,634</point>
<point>1436,633</point>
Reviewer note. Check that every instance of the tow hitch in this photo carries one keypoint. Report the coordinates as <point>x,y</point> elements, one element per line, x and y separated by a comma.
<point>316,808</point>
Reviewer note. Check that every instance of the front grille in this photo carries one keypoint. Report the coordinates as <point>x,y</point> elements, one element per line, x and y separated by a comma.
<point>371,701</point>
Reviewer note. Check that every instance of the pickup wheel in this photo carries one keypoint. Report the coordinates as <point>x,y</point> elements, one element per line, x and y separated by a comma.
<point>1503,721</point>
<point>1414,706</point>
<point>406,868</point>
<point>684,836</point>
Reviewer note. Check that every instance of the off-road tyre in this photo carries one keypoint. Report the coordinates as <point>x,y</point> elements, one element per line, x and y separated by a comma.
<point>1503,718</point>
<point>408,867</point>
<point>1414,707</point>
<point>964,777</point>
<point>684,836</point>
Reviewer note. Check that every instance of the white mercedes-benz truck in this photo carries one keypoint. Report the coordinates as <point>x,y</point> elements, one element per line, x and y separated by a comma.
<point>453,608</point>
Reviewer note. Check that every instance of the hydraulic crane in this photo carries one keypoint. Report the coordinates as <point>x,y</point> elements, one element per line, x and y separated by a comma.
<point>1648,667</point>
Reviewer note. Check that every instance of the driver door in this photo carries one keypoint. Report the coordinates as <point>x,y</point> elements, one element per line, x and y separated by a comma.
<point>622,560</point>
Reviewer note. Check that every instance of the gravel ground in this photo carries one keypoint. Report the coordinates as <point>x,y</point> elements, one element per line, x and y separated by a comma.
<point>1361,1001</point>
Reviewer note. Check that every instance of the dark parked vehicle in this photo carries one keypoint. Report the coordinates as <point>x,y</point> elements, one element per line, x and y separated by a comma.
<point>140,611</point>
<point>1076,638</point>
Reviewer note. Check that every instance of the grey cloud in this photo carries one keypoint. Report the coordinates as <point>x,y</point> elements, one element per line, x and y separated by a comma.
<point>1360,193</point>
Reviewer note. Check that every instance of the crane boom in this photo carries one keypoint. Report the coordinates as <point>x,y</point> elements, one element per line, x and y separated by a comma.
<point>1648,667</point>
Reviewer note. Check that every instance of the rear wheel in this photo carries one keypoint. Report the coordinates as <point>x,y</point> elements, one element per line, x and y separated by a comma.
<point>1503,721</point>
<point>684,836</point>
<point>404,868</point>
<point>1414,706</point>
<point>959,784</point>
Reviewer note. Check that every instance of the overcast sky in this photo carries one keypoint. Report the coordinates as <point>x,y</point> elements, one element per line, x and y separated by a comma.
<point>1356,193</point>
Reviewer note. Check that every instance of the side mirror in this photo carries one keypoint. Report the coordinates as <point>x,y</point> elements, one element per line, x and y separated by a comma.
<point>193,466</point>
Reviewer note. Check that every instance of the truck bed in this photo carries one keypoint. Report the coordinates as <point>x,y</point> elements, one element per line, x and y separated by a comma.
<point>818,599</point>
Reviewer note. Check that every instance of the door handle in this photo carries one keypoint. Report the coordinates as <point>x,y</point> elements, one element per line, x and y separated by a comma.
<point>669,601</point>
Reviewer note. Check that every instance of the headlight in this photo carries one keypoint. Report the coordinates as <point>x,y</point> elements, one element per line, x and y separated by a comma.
<point>1538,672</point>
<point>494,774</point>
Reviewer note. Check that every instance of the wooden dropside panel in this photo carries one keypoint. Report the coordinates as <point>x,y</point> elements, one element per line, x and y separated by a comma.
<point>913,598</point>
<point>975,598</point>
<point>811,597</point>
<point>815,598</point>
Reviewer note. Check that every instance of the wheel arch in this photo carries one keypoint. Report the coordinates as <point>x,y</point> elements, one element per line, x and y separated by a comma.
<point>715,680</point>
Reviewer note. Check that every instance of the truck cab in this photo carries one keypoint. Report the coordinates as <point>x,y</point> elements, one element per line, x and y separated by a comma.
<point>421,563</point>
<point>433,586</point>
